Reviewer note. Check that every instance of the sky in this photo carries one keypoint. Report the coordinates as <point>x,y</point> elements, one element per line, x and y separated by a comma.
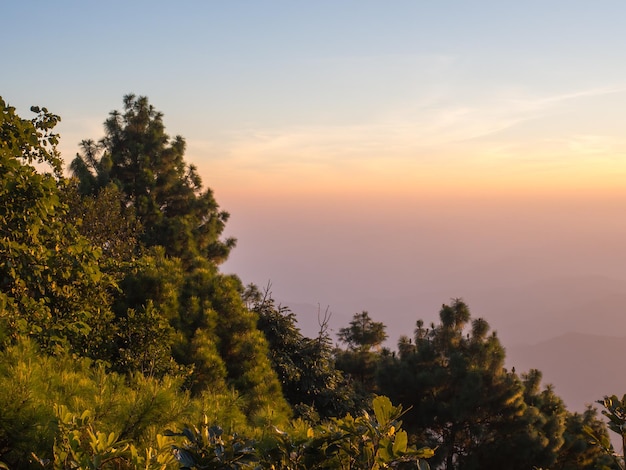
<point>379,156</point>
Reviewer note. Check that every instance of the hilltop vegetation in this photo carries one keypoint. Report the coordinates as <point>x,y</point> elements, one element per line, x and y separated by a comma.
<point>122,345</point>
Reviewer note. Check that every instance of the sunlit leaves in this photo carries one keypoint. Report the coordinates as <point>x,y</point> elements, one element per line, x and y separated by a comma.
<point>34,140</point>
<point>362,442</point>
<point>49,270</point>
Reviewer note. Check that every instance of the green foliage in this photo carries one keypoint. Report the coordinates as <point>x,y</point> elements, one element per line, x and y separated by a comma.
<point>245,352</point>
<point>72,413</point>
<point>370,441</point>
<point>143,343</point>
<point>363,334</point>
<point>32,384</point>
<point>543,422</point>
<point>214,334</point>
<point>359,362</point>
<point>226,408</point>
<point>33,141</point>
<point>49,270</point>
<point>139,158</point>
<point>579,451</point>
<point>192,312</point>
<point>92,170</point>
<point>465,403</point>
<point>56,286</point>
<point>305,367</point>
<point>79,445</point>
<point>116,323</point>
<point>25,418</point>
<point>64,412</point>
<point>107,222</point>
<point>209,447</point>
<point>536,436</point>
<point>614,409</point>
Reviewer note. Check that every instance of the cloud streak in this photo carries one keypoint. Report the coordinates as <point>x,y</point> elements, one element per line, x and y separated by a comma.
<point>422,134</point>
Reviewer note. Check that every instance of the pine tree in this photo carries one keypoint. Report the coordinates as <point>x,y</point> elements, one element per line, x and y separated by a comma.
<point>214,334</point>
<point>364,338</point>
<point>465,403</point>
<point>148,167</point>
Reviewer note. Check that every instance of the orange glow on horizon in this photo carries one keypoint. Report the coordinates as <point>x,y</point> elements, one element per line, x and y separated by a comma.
<point>581,182</point>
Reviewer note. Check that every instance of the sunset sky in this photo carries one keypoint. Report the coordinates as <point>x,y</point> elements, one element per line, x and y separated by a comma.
<point>366,150</point>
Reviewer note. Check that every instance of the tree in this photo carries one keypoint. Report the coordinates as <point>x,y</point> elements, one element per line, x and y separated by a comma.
<point>305,366</point>
<point>363,337</point>
<point>171,277</point>
<point>30,140</point>
<point>578,451</point>
<point>465,403</point>
<point>614,409</point>
<point>245,350</point>
<point>140,159</point>
<point>107,222</point>
<point>535,436</point>
<point>363,334</point>
<point>51,285</point>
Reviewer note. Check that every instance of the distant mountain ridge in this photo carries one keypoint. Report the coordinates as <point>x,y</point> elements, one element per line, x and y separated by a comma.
<point>582,367</point>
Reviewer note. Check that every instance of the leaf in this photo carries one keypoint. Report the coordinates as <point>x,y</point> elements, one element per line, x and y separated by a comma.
<point>425,453</point>
<point>400,443</point>
<point>384,455</point>
<point>188,433</point>
<point>383,409</point>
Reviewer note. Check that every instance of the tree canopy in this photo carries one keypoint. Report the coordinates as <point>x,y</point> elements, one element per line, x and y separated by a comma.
<point>305,366</point>
<point>48,269</point>
<point>363,334</point>
<point>148,168</point>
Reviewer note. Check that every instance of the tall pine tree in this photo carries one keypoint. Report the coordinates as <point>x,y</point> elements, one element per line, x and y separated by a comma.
<point>465,403</point>
<point>148,167</point>
<point>178,278</point>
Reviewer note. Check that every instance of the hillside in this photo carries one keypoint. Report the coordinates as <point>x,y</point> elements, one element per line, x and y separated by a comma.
<point>582,367</point>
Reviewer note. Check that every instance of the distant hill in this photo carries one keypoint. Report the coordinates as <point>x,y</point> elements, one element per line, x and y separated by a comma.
<point>582,367</point>
<point>547,308</point>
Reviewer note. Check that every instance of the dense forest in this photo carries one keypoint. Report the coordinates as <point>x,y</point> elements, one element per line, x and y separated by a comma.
<point>123,345</point>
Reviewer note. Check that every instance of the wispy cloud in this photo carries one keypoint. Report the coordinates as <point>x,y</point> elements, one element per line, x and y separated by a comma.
<point>507,135</point>
<point>542,103</point>
<point>421,132</point>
